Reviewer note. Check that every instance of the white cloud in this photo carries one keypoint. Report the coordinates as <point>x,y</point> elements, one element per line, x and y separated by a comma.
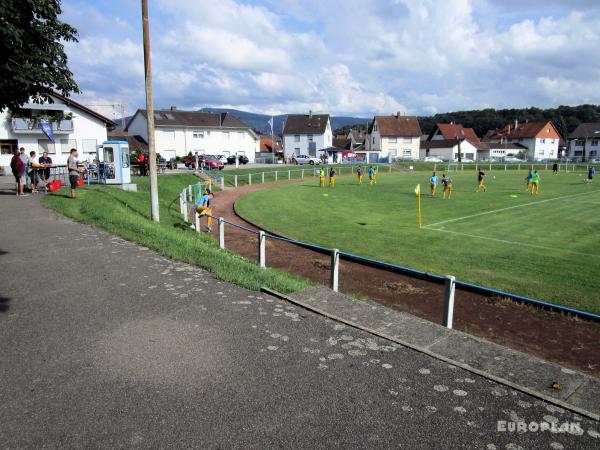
<point>351,57</point>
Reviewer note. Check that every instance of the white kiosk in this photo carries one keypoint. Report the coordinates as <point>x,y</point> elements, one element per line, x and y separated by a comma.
<point>113,164</point>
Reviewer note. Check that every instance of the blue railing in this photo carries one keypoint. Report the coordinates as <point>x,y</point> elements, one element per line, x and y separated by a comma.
<point>394,268</point>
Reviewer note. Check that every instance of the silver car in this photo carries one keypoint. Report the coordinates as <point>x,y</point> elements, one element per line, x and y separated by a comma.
<point>305,159</point>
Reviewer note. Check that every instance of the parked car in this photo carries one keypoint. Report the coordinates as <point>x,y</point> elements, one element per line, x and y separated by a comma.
<point>512,159</point>
<point>464,160</point>
<point>213,162</point>
<point>189,161</point>
<point>305,159</point>
<point>222,158</point>
<point>595,161</point>
<point>432,159</point>
<point>242,159</point>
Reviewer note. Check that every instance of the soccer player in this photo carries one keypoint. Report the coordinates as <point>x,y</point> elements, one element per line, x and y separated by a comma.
<point>359,174</point>
<point>447,184</point>
<point>481,181</point>
<point>433,181</point>
<point>322,177</point>
<point>371,175</point>
<point>332,177</point>
<point>202,208</point>
<point>535,183</point>
<point>591,173</point>
<point>528,179</point>
<point>555,169</point>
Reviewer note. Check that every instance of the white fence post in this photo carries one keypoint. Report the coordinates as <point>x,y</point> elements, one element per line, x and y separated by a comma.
<point>235,181</point>
<point>223,183</point>
<point>449,300</point>
<point>335,266</point>
<point>197,221</point>
<point>518,166</point>
<point>289,174</point>
<point>249,178</point>
<point>302,174</point>
<point>434,167</point>
<point>181,203</point>
<point>490,167</point>
<point>262,257</point>
<point>185,207</point>
<point>275,176</point>
<point>505,167</point>
<point>390,171</point>
<point>189,188</point>
<point>263,177</point>
<point>221,233</point>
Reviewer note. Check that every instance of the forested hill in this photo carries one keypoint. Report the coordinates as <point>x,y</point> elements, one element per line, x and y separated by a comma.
<point>565,118</point>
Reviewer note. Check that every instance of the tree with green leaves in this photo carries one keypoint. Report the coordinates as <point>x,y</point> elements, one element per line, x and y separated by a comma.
<point>34,62</point>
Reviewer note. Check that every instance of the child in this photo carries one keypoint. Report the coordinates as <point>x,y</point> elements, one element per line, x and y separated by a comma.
<point>332,177</point>
<point>447,184</point>
<point>481,181</point>
<point>433,181</point>
<point>535,183</point>
<point>203,208</point>
<point>371,175</point>
<point>528,179</point>
<point>591,173</point>
<point>360,175</point>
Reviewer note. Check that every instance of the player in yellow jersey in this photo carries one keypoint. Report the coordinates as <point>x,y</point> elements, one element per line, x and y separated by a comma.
<point>359,173</point>
<point>481,181</point>
<point>535,183</point>
<point>447,184</point>
<point>322,177</point>
<point>332,177</point>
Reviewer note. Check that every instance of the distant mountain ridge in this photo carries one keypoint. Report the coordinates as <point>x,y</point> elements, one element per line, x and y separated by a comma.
<point>260,123</point>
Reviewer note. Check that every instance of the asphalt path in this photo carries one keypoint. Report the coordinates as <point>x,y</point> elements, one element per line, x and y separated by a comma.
<point>106,344</point>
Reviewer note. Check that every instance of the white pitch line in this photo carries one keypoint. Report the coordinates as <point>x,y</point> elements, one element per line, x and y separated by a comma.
<point>523,244</point>
<point>508,207</point>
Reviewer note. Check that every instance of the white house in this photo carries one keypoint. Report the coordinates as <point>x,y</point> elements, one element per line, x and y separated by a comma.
<point>448,149</point>
<point>394,136</point>
<point>307,134</point>
<point>73,126</point>
<point>584,141</point>
<point>539,138</point>
<point>177,133</point>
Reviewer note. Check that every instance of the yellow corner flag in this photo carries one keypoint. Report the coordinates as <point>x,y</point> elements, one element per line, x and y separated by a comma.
<point>418,192</point>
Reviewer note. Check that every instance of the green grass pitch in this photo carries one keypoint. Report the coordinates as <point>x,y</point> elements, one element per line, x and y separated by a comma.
<point>546,247</point>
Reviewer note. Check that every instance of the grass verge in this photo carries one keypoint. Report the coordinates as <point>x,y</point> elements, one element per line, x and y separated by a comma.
<point>126,214</point>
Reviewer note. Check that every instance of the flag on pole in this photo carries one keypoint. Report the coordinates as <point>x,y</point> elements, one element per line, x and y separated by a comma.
<point>46,127</point>
<point>418,189</point>
<point>270,122</point>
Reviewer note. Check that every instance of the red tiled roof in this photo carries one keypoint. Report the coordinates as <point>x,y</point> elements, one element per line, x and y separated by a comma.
<point>343,143</point>
<point>456,130</point>
<point>397,125</point>
<point>524,130</point>
<point>266,145</point>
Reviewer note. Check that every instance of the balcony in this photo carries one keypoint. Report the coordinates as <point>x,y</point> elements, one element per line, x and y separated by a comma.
<point>22,126</point>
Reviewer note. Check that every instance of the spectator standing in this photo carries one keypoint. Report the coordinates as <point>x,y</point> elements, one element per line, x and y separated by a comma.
<point>18,170</point>
<point>47,162</point>
<point>74,171</point>
<point>25,160</point>
<point>142,164</point>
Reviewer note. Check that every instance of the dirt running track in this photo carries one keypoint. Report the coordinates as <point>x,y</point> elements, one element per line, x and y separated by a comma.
<point>554,337</point>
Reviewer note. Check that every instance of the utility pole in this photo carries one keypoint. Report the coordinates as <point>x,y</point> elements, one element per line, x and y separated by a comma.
<point>150,114</point>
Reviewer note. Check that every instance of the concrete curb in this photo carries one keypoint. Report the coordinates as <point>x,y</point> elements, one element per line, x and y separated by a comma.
<point>422,349</point>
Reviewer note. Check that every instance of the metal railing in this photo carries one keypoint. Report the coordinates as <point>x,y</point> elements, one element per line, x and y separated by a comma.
<point>23,124</point>
<point>450,282</point>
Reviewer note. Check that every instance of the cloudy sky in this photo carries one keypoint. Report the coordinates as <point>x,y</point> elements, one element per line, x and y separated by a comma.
<point>351,57</point>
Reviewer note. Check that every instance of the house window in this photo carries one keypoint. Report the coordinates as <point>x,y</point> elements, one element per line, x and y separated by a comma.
<point>309,137</point>
<point>375,127</point>
<point>197,134</point>
<point>392,152</point>
<point>44,145</point>
<point>296,138</point>
<point>393,140</point>
<point>594,143</point>
<point>296,151</point>
<point>88,145</point>
<point>553,141</point>
<point>542,141</point>
<point>67,144</point>
<point>580,142</point>
<point>407,140</point>
<point>593,153</point>
<point>373,140</point>
<point>406,153</point>
<point>541,152</point>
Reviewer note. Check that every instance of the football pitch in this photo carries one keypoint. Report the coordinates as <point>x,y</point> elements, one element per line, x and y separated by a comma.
<point>546,247</point>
